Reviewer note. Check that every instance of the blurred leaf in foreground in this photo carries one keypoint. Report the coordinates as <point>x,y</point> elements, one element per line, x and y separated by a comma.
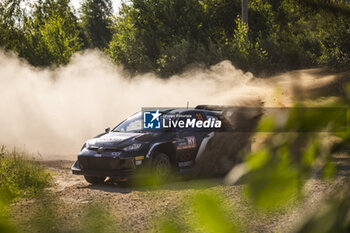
<point>209,214</point>
<point>272,180</point>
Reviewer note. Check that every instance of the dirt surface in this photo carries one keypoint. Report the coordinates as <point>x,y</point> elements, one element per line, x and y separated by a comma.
<point>139,209</point>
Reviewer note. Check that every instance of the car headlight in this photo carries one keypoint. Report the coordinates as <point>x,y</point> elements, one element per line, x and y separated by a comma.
<point>132,147</point>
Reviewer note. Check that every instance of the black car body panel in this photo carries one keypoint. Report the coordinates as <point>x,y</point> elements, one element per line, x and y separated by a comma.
<point>122,154</point>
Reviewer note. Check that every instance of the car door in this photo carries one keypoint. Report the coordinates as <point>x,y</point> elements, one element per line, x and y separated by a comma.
<point>189,140</point>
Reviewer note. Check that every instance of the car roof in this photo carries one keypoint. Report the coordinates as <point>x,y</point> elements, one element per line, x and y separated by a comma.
<point>182,110</point>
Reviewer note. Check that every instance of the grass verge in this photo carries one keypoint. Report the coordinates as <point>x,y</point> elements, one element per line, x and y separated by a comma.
<point>20,176</point>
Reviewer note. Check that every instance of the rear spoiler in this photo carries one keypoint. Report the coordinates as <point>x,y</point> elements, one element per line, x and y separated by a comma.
<point>214,107</point>
<point>232,111</point>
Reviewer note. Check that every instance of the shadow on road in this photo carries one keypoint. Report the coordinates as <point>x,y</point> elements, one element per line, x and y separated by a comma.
<point>127,187</point>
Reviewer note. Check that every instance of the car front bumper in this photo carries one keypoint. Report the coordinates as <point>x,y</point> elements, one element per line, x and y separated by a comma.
<point>96,170</point>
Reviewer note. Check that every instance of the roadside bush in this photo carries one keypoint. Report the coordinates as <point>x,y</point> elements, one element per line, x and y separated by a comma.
<point>20,177</point>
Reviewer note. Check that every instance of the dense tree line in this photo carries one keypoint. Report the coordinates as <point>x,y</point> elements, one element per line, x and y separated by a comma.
<point>51,32</point>
<point>168,36</point>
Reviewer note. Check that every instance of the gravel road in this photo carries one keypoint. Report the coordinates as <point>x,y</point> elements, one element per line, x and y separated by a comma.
<point>138,209</point>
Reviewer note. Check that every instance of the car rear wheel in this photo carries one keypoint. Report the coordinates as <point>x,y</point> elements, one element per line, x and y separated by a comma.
<point>95,179</point>
<point>161,167</point>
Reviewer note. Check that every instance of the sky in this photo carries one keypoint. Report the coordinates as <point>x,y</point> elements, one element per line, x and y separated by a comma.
<point>77,3</point>
<point>116,4</point>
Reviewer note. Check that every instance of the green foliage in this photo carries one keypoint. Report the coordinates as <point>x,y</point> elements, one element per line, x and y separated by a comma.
<point>98,220</point>
<point>243,51</point>
<point>295,151</point>
<point>47,36</point>
<point>96,17</point>
<point>168,36</point>
<point>11,17</point>
<point>60,42</point>
<point>122,48</point>
<point>209,215</point>
<point>272,179</point>
<point>53,33</point>
<point>335,45</point>
<point>20,177</point>
<point>5,222</point>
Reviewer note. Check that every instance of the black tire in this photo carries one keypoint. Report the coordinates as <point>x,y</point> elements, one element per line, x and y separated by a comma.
<point>95,179</point>
<point>161,167</point>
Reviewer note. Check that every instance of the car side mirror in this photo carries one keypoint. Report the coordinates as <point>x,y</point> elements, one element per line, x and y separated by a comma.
<point>107,130</point>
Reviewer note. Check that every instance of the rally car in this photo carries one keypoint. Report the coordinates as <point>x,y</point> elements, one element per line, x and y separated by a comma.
<point>152,143</point>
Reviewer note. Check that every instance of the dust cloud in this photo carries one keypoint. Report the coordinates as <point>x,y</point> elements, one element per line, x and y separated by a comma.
<point>51,112</point>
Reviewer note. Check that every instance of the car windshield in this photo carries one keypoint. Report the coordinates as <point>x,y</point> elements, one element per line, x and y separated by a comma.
<point>132,124</point>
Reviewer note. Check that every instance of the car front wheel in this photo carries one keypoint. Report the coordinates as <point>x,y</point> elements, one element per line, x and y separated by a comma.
<point>161,167</point>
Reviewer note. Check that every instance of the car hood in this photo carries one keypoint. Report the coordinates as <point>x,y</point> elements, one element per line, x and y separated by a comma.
<point>113,139</point>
